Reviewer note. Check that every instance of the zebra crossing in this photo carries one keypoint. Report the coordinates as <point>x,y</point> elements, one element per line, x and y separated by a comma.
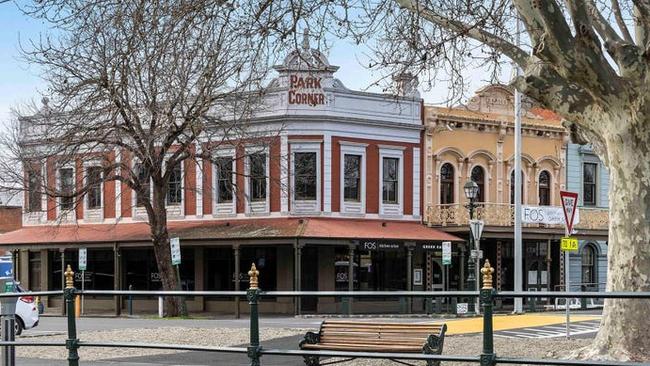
<point>550,331</point>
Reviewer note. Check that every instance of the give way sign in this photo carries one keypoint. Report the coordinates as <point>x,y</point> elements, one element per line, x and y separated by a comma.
<point>569,205</point>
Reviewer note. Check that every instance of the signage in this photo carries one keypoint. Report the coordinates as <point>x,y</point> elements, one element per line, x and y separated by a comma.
<point>477,228</point>
<point>175,244</point>
<point>548,215</point>
<point>569,204</point>
<point>461,308</point>
<point>154,277</point>
<point>375,245</point>
<point>432,246</point>
<point>446,252</point>
<point>87,276</point>
<point>569,244</point>
<point>83,258</point>
<point>417,277</point>
<point>306,90</point>
<point>476,254</point>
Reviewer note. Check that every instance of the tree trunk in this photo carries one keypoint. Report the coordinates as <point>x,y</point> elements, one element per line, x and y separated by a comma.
<point>169,276</point>
<point>624,328</point>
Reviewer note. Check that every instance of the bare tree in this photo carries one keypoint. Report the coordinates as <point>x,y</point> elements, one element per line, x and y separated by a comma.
<point>587,60</point>
<point>140,88</point>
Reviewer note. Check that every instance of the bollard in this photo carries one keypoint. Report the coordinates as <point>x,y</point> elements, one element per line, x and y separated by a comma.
<point>161,307</point>
<point>488,357</point>
<point>130,301</point>
<point>72,343</point>
<point>252,295</point>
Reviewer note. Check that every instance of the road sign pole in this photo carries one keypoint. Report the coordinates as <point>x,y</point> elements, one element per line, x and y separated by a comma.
<point>569,206</point>
<point>83,286</point>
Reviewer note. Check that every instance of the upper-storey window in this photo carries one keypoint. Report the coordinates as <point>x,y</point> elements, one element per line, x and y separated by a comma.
<point>66,178</point>
<point>145,183</point>
<point>352,178</point>
<point>589,172</point>
<point>224,179</point>
<point>390,184</point>
<point>544,188</point>
<point>175,186</point>
<point>305,176</point>
<point>447,184</point>
<point>34,195</point>
<point>94,182</point>
<point>478,176</point>
<point>512,187</point>
<point>257,163</point>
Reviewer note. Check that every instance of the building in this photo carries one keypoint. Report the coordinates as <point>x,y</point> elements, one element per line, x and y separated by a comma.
<point>336,192</point>
<point>476,142</point>
<point>588,176</point>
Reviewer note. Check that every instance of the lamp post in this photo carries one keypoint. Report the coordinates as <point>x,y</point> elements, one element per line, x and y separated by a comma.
<point>471,192</point>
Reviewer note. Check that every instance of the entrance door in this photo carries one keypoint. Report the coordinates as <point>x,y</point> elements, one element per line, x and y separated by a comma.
<point>309,278</point>
<point>537,275</point>
<point>434,274</point>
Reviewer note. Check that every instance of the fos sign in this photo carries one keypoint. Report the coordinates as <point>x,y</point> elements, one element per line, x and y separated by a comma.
<point>569,205</point>
<point>306,90</point>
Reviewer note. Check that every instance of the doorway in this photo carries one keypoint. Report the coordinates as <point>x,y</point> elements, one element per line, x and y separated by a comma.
<point>309,278</point>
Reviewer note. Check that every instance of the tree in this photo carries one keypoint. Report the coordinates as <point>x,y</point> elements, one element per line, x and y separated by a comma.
<point>144,89</point>
<point>587,60</point>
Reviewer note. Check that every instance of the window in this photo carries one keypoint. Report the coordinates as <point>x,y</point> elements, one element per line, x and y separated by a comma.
<point>390,184</point>
<point>34,195</point>
<point>352,178</point>
<point>588,264</point>
<point>544,188</point>
<point>66,178</point>
<point>478,177</point>
<point>94,182</point>
<point>512,187</point>
<point>257,164</point>
<point>305,176</point>
<point>589,183</point>
<point>175,186</point>
<point>224,179</point>
<point>447,184</point>
<point>144,179</point>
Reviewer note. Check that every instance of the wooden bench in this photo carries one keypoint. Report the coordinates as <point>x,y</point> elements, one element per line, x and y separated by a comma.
<point>366,336</point>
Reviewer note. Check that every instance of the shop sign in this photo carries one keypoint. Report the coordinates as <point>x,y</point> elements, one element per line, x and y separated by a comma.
<point>83,258</point>
<point>154,277</point>
<point>87,276</point>
<point>446,253</point>
<point>548,215</point>
<point>375,245</point>
<point>306,90</point>
<point>433,246</point>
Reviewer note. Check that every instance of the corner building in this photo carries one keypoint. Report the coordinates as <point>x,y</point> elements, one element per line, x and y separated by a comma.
<point>333,189</point>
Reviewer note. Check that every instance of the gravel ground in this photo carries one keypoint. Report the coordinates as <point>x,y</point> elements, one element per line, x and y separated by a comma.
<point>454,345</point>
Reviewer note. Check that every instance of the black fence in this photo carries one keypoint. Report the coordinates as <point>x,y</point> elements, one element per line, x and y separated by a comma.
<point>255,351</point>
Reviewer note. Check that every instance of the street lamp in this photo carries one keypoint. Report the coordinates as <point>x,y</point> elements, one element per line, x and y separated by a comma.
<point>471,193</point>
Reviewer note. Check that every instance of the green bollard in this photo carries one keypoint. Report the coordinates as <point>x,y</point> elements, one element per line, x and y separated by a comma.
<point>252,295</point>
<point>488,356</point>
<point>72,343</point>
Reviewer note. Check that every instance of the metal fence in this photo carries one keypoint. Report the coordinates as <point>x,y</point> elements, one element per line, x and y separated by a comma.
<point>255,351</point>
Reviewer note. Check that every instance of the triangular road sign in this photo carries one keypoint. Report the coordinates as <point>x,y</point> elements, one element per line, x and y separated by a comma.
<point>477,228</point>
<point>569,205</point>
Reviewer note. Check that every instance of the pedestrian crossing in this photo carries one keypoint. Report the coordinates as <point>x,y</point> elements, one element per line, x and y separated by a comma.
<point>550,331</point>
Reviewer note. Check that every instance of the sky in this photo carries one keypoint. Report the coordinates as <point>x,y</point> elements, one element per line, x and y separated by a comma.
<point>20,82</point>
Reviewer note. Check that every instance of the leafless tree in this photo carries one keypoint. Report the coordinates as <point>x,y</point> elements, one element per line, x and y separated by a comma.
<point>587,60</point>
<point>140,88</point>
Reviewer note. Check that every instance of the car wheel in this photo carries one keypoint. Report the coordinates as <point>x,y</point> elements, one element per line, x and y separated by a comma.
<point>18,327</point>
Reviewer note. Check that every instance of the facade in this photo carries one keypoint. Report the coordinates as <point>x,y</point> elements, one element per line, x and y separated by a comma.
<point>476,142</point>
<point>330,199</point>
<point>587,175</point>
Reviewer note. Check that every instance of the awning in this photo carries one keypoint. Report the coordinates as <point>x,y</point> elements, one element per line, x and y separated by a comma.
<point>266,228</point>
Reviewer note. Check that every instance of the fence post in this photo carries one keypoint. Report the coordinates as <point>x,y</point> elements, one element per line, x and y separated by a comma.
<point>253,296</point>
<point>72,343</point>
<point>488,357</point>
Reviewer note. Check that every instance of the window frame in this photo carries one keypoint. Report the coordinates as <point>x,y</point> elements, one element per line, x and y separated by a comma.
<point>99,186</point>
<point>252,178</point>
<point>482,194</point>
<point>511,185</point>
<point>391,209</point>
<point>137,168</point>
<point>179,186</point>
<point>315,176</point>
<point>547,188</point>
<point>352,208</point>
<point>256,207</point>
<point>592,267</point>
<point>357,199</point>
<point>34,196</point>
<point>219,179</point>
<point>593,185</point>
<point>395,182</point>
<point>63,205</point>
<point>444,181</point>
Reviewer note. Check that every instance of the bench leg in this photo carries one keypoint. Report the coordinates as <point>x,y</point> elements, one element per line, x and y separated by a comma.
<point>311,360</point>
<point>433,363</point>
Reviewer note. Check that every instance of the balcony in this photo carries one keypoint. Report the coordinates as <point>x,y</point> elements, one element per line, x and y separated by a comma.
<point>502,214</point>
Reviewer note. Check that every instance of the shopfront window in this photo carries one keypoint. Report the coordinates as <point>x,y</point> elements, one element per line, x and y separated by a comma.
<point>220,269</point>
<point>141,270</point>
<point>374,270</point>
<point>265,260</point>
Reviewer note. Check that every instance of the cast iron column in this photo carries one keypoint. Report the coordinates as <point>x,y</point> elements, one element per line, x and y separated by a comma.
<point>253,294</point>
<point>350,275</point>
<point>488,357</point>
<point>409,275</point>
<point>235,249</point>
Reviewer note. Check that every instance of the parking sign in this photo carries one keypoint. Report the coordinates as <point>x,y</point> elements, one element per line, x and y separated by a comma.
<point>83,258</point>
<point>175,246</point>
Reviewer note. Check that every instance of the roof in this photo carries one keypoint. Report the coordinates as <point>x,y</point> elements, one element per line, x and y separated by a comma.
<point>545,118</point>
<point>268,228</point>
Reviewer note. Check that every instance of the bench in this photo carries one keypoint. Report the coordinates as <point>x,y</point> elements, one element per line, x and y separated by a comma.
<point>360,336</point>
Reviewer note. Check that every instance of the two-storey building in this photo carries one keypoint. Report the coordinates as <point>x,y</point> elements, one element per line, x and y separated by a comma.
<point>333,188</point>
<point>476,142</point>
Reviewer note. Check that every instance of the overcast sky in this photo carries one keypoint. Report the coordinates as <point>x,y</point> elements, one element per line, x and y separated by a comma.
<point>20,82</point>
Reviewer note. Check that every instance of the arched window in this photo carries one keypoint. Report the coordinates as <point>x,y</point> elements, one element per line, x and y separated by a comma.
<point>512,187</point>
<point>589,264</point>
<point>447,184</point>
<point>544,189</point>
<point>478,176</point>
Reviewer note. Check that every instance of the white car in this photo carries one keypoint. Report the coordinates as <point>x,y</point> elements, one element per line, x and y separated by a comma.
<point>26,312</point>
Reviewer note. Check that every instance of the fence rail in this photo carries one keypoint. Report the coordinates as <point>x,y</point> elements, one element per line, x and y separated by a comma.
<point>255,350</point>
